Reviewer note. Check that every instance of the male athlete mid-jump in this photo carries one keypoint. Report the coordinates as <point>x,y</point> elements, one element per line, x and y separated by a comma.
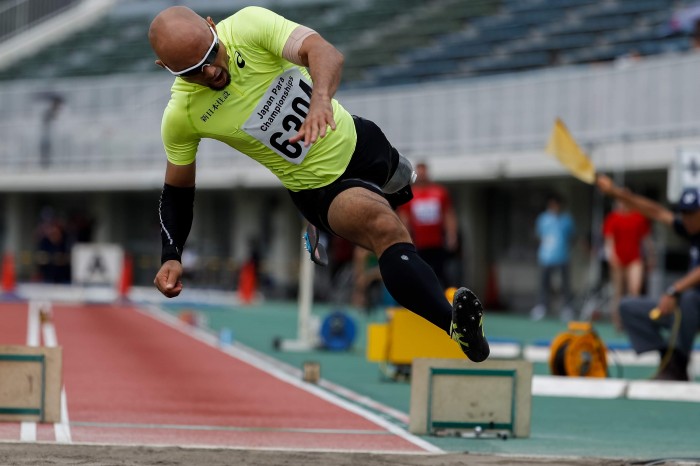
<point>244,82</point>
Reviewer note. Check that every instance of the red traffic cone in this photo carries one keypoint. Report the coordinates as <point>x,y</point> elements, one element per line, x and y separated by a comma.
<point>8,273</point>
<point>247,283</point>
<point>127,278</point>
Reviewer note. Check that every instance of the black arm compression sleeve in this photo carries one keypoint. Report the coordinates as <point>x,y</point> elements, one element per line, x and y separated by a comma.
<point>175,211</point>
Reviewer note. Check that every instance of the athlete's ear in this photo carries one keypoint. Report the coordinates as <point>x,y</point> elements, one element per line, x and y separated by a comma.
<point>211,22</point>
<point>160,63</point>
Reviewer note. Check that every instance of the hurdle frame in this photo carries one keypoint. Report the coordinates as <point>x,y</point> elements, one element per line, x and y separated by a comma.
<point>433,426</point>
<point>25,406</point>
<point>462,396</point>
<point>19,411</point>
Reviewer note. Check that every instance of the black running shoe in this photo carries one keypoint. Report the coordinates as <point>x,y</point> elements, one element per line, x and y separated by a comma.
<point>314,246</point>
<point>467,327</point>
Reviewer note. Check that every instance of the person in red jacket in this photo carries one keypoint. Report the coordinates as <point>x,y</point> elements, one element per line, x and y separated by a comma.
<point>432,221</point>
<point>625,231</point>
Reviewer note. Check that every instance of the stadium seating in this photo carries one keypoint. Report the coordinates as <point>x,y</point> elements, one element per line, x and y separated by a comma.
<point>20,15</point>
<point>394,42</point>
<point>534,34</point>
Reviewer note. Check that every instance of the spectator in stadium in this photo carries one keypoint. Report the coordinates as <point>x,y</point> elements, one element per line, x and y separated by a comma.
<point>53,256</point>
<point>245,82</point>
<point>681,300</point>
<point>432,222</point>
<point>626,234</point>
<point>555,230</point>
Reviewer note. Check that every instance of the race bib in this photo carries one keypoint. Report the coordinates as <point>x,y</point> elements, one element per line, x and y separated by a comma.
<point>426,211</point>
<point>280,113</point>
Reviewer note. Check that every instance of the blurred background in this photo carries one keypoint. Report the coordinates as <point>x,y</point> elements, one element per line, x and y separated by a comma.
<point>471,88</point>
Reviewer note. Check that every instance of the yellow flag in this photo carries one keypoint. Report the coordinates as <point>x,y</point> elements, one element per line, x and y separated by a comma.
<point>563,146</point>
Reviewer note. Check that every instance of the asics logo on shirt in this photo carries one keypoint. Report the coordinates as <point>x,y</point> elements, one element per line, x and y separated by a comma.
<point>240,62</point>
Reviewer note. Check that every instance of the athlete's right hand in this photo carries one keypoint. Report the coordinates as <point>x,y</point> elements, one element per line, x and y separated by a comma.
<point>168,278</point>
<point>317,121</point>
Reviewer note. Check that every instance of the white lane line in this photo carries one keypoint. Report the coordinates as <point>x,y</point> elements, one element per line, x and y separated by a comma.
<point>159,315</point>
<point>33,324</point>
<point>664,390</point>
<point>332,398</point>
<point>343,392</point>
<point>28,428</point>
<point>578,387</point>
<point>27,432</point>
<point>62,428</point>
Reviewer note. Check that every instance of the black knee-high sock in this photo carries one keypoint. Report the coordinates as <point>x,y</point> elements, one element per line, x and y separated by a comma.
<point>414,285</point>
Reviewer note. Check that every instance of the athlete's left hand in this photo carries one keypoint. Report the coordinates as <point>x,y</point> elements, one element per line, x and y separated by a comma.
<point>317,121</point>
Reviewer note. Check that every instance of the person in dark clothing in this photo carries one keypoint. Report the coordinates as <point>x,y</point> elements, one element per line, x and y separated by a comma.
<point>645,319</point>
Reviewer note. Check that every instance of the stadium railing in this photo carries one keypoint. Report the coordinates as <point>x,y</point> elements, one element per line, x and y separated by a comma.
<point>113,123</point>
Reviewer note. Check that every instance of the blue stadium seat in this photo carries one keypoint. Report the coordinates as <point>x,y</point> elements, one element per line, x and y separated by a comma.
<point>408,41</point>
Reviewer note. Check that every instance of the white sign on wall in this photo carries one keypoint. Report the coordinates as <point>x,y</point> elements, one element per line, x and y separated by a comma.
<point>97,263</point>
<point>684,173</point>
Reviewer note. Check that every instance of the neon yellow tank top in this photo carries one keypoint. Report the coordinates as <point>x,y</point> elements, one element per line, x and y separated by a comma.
<point>263,107</point>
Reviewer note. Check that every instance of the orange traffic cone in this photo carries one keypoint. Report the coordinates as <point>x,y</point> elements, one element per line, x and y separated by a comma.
<point>127,277</point>
<point>247,283</point>
<point>8,273</point>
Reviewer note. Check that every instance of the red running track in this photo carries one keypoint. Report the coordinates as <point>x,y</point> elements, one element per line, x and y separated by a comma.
<point>131,379</point>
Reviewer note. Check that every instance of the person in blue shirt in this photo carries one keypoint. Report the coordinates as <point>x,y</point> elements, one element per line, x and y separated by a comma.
<point>555,230</point>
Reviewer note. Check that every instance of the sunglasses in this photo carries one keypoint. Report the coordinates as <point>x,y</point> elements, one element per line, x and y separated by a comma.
<point>208,59</point>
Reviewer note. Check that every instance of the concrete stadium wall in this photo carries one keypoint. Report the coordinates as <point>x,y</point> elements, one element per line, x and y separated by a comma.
<point>484,138</point>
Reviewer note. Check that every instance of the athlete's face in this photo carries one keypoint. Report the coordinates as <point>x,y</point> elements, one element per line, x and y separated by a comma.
<point>205,61</point>
<point>216,75</point>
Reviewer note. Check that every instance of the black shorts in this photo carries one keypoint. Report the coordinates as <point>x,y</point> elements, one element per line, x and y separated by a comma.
<point>370,167</point>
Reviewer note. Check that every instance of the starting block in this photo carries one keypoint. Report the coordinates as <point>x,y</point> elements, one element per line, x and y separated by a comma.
<point>460,395</point>
<point>30,383</point>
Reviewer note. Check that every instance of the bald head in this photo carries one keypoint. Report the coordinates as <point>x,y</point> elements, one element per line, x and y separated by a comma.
<point>179,36</point>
